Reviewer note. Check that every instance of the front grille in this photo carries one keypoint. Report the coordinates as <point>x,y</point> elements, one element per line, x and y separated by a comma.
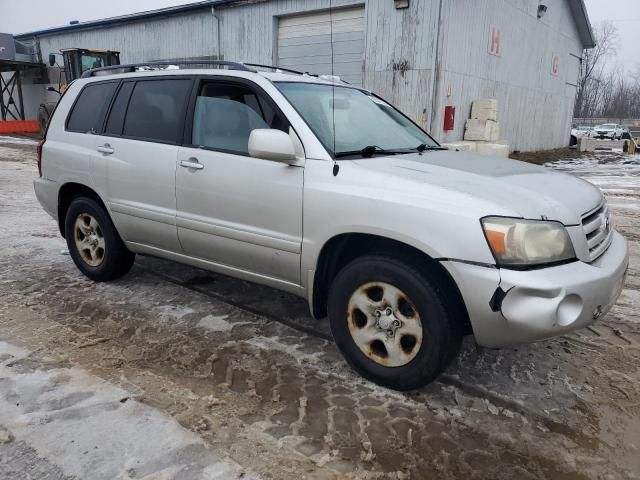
<point>597,228</point>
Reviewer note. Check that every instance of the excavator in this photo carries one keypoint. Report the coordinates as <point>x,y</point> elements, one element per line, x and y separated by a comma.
<point>75,62</point>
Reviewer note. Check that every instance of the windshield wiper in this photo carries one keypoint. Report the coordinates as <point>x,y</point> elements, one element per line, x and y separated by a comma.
<point>371,150</point>
<point>423,146</point>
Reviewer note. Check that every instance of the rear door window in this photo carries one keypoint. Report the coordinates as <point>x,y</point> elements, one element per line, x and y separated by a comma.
<point>156,110</point>
<point>225,114</point>
<point>90,107</point>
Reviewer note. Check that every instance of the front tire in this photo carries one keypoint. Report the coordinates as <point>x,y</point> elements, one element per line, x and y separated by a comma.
<point>390,322</point>
<point>93,242</point>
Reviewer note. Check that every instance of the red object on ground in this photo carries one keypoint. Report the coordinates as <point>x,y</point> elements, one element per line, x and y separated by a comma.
<point>19,126</point>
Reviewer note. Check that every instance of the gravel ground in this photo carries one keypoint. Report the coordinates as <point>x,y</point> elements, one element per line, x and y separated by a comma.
<point>174,372</point>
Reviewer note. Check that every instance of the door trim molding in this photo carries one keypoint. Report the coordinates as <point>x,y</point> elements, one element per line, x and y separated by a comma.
<point>286,245</point>
<point>278,283</point>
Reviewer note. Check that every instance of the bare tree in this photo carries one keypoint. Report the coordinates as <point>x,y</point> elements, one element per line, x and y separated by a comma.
<point>592,69</point>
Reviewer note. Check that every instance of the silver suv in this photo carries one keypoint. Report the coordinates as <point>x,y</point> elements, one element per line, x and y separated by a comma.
<point>327,191</point>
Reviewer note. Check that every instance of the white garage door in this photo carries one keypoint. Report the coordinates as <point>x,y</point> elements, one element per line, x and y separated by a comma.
<point>304,43</point>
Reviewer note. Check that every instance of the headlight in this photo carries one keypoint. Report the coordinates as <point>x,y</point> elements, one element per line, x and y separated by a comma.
<point>523,243</point>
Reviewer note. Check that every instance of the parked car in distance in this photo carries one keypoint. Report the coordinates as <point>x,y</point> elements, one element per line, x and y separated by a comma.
<point>581,131</point>
<point>611,131</point>
<point>325,190</point>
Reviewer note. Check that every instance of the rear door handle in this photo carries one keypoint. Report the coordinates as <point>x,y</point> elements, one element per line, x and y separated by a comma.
<point>191,163</point>
<point>106,149</point>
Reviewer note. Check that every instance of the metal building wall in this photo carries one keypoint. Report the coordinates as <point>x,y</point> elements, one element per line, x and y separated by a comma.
<point>250,32</point>
<point>399,51</point>
<point>535,106</point>
<point>177,36</point>
<point>180,35</point>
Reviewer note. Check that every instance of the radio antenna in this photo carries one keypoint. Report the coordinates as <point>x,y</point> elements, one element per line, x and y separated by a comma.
<point>336,167</point>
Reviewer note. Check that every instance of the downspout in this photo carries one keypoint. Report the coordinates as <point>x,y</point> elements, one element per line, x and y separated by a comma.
<point>434,75</point>
<point>215,15</point>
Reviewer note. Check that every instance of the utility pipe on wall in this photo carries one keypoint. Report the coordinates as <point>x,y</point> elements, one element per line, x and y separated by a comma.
<point>434,74</point>
<point>217,17</point>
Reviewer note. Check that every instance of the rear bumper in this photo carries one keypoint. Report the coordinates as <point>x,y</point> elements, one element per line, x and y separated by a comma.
<point>47,195</point>
<point>543,303</point>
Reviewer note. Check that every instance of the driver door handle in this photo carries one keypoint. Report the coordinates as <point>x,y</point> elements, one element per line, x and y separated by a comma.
<point>106,149</point>
<point>191,163</point>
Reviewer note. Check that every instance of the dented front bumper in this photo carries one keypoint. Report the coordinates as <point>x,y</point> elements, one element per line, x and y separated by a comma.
<point>537,304</point>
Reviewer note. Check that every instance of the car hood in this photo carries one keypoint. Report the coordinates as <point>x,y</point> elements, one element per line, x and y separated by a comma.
<point>515,188</point>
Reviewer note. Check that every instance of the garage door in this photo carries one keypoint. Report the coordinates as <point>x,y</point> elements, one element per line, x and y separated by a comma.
<point>304,43</point>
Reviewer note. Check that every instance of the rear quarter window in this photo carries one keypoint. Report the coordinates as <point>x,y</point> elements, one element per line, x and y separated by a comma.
<point>156,110</point>
<point>90,107</point>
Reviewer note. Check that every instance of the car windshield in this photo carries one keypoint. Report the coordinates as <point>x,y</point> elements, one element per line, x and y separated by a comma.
<point>363,123</point>
<point>608,125</point>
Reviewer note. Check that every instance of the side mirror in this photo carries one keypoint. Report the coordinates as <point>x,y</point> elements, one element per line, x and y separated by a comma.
<point>272,144</point>
<point>52,59</point>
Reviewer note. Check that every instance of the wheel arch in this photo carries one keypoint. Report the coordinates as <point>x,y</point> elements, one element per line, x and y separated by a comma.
<point>345,247</point>
<point>67,193</point>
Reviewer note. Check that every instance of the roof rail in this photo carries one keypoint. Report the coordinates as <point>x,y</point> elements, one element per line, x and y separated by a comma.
<point>133,67</point>
<point>272,67</point>
<point>330,78</point>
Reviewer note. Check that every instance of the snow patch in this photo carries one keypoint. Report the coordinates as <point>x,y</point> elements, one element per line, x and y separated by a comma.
<point>171,312</point>
<point>17,140</point>
<point>216,323</point>
<point>91,429</point>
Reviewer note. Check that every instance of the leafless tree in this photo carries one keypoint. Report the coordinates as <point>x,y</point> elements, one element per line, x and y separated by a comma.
<point>607,90</point>
<point>593,67</point>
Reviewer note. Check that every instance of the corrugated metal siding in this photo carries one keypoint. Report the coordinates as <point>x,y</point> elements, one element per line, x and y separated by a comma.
<point>178,36</point>
<point>249,32</point>
<point>399,52</point>
<point>534,105</point>
<point>310,42</point>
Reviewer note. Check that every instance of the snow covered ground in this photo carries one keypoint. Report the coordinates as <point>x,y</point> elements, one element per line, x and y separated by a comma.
<point>616,174</point>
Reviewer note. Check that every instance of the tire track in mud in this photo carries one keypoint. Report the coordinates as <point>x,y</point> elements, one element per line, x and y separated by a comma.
<point>452,380</point>
<point>320,333</point>
<point>344,416</point>
<point>249,385</point>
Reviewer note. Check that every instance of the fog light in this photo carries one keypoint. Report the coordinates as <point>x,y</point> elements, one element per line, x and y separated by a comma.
<point>569,310</point>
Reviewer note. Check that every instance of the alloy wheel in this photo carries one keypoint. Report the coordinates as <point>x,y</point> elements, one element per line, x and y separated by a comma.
<point>384,324</point>
<point>89,239</point>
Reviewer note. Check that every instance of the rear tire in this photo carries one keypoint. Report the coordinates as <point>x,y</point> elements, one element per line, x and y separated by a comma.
<point>391,322</point>
<point>93,242</point>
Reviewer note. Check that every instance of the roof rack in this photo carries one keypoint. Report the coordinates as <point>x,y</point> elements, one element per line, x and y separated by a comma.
<point>272,67</point>
<point>133,67</point>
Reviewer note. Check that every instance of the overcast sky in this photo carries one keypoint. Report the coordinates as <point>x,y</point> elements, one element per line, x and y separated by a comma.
<point>18,16</point>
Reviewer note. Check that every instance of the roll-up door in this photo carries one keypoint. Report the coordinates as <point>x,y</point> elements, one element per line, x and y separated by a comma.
<point>304,43</point>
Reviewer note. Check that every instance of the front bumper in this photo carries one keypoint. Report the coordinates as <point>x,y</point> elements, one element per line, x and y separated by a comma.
<point>542,303</point>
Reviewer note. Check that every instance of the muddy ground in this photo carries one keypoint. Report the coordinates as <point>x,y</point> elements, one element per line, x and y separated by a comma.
<point>174,372</point>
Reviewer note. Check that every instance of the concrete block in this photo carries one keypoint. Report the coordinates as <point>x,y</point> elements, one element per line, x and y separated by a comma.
<point>463,146</point>
<point>493,149</point>
<point>586,144</point>
<point>481,130</point>
<point>485,109</point>
<point>495,131</point>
